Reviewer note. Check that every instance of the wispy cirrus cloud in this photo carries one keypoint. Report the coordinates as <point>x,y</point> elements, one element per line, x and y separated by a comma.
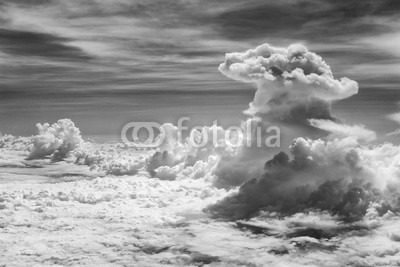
<point>159,34</point>
<point>97,46</point>
<point>27,43</point>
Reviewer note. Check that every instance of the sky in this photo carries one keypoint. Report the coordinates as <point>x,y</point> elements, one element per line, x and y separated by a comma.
<point>105,63</point>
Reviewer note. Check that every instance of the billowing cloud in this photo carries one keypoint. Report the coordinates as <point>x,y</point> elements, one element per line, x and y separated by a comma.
<point>339,130</point>
<point>293,86</point>
<point>339,176</point>
<point>292,83</point>
<point>55,140</point>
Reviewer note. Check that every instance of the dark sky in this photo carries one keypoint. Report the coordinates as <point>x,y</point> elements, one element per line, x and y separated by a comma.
<point>106,62</point>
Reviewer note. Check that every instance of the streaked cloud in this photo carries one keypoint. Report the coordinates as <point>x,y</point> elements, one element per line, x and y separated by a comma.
<point>109,46</point>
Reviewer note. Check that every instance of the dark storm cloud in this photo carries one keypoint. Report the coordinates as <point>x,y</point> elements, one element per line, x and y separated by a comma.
<point>28,43</point>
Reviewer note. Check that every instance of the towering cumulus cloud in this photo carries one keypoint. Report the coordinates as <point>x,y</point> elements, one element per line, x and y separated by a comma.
<point>55,140</point>
<point>337,173</point>
<point>294,87</point>
<point>293,84</point>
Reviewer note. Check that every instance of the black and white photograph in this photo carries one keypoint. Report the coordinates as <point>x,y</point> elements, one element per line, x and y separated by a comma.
<point>151,133</point>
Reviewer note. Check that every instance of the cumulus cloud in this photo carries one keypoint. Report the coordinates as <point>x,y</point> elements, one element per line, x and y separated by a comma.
<point>297,87</point>
<point>55,140</point>
<point>175,158</point>
<point>340,176</point>
<point>179,157</point>
<point>223,156</point>
<point>15,143</point>
<point>293,86</point>
<point>339,130</point>
<point>110,159</point>
<point>292,83</point>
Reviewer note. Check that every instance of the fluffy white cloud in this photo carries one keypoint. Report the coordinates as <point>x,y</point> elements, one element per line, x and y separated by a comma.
<point>56,140</point>
<point>292,82</point>
<point>340,176</point>
<point>15,143</point>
